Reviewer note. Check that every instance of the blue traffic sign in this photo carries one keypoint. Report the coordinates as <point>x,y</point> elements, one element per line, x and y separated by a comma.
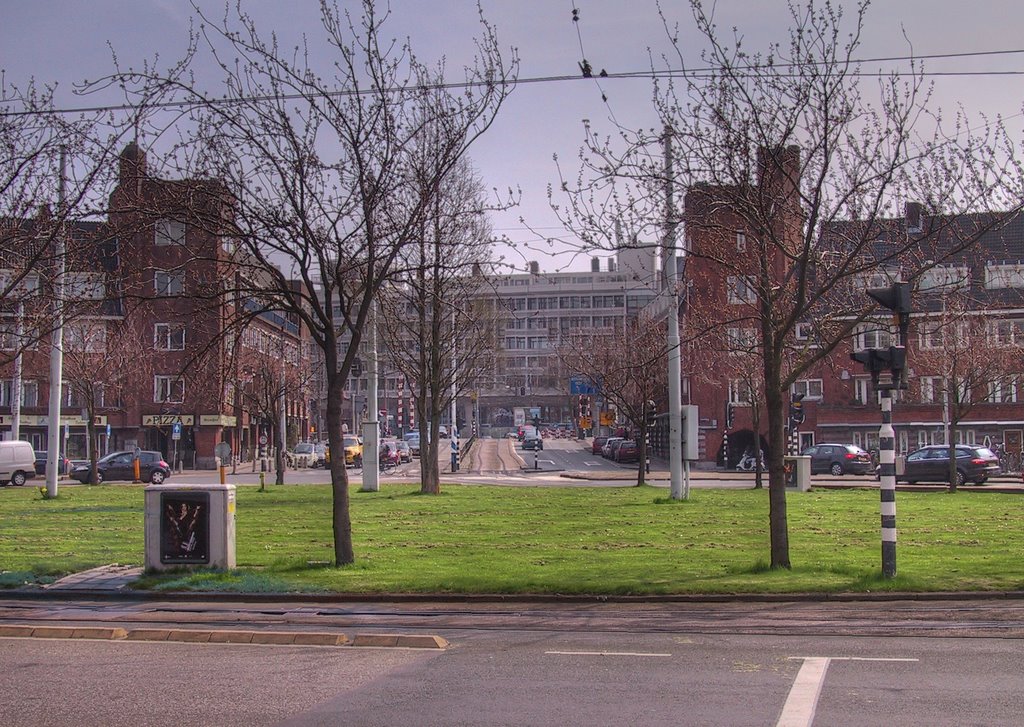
<point>581,385</point>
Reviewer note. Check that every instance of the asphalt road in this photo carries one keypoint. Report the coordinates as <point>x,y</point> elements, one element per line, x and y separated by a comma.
<point>591,663</point>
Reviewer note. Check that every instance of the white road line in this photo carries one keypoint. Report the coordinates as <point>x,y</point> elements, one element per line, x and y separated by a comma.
<point>602,653</point>
<point>798,711</point>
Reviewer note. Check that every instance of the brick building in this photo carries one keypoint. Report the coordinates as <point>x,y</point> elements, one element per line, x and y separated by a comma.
<point>162,290</point>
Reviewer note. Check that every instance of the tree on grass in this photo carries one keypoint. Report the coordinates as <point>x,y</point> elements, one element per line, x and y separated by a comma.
<point>319,169</point>
<point>788,148</point>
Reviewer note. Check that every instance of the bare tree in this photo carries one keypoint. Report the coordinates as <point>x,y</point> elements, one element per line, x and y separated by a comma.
<point>439,329</point>
<point>971,357</point>
<point>102,366</point>
<point>628,365</point>
<point>787,147</point>
<point>318,164</point>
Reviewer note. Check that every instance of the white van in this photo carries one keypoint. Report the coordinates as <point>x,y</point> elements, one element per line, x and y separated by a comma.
<point>17,462</point>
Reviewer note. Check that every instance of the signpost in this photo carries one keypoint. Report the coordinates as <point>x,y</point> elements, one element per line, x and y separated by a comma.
<point>223,452</point>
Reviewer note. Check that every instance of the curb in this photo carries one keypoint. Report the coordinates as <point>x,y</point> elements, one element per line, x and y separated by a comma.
<point>220,636</point>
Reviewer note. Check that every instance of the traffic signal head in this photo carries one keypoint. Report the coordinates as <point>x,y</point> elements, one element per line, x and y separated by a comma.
<point>729,414</point>
<point>897,299</point>
<point>796,408</point>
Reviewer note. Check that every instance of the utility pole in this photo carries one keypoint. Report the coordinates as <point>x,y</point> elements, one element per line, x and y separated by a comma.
<point>675,367</point>
<point>56,342</point>
<point>16,384</point>
<point>371,428</point>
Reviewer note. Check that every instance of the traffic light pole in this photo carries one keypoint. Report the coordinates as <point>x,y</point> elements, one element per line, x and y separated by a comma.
<point>887,485</point>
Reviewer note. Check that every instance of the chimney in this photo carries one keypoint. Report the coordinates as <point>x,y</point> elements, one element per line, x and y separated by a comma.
<point>534,267</point>
<point>132,168</point>
<point>912,212</point>
<point>595,265</point>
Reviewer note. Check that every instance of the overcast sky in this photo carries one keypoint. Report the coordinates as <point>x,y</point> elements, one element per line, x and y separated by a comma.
<point>67,40</point>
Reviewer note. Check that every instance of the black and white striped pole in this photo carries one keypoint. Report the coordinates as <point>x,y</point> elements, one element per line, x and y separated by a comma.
<point>887,486</point>
<point>888,368</point>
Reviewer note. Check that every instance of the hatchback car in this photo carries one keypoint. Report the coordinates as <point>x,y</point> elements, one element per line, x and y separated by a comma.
<point>606,450</point>
<point>595,448</point>
<point>627,451</point>
<point>120,466</point>
<point>931,464</point>
<point>353,451</point>
<point>404,451</point>
<point>839,459</point>
<point>533,442</point>
<point>41,457</point>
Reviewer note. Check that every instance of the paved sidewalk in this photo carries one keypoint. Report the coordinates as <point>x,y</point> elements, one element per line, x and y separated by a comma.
<point>112,577</point>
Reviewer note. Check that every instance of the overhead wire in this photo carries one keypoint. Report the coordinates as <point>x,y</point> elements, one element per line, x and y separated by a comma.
<point>201,99</point>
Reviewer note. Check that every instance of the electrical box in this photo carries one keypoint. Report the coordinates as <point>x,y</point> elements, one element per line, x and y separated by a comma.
<point>190,526</point>
<point>691,436</point>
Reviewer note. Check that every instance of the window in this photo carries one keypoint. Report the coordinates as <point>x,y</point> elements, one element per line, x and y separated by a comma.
<point>810,388</point>
<point>1007,275</point>
<point>870,335</point>
<point>740,340</point>
<point>29,392</point>
<point>84,336</point>
<point>740,290</point>
<point>29,284</point>
<point>169,337</point>
<point>944,277</point>
<point>169,283</point>
<point>931,334</point>
<point>1002,391</point>
<point>84,286</point>
<point>170,389</point>
<point>1007,332</point>
<point>862,389</point>
<point>170,232</point>
<point>739,392</point>
<point>931,389</point>
<point>741,241</point>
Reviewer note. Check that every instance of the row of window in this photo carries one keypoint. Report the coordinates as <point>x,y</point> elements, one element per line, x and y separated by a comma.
<point>77,285</point>
<point>170,389</point>
<point>1000,391</point>
<point>566,302</point>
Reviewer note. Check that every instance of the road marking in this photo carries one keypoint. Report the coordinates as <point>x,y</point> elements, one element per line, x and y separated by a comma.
<point>602,653</point>
<point>588,463</point>
<point>798,711</point>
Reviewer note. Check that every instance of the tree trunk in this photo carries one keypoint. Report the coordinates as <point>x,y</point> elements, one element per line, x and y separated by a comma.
<point>951,471</point>
<point>90,433</point>
<point>755,417</point>
<point>341,519</point>
<point>279,451</point>
<point>641,446</point>
<point>778,522</point>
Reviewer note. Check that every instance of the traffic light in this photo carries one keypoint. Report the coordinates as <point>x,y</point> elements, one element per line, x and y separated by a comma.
<point>652,412</point>
<point>897,299</point>
<point>796,408</point>
<point>730,414</point>
<point>877,360</point>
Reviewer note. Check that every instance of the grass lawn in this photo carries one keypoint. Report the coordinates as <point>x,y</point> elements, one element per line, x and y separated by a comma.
<point>474,539</point>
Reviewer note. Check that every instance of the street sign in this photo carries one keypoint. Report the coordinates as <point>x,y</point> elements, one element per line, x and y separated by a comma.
<point>581,385</point>
<point>263,440</point>
<point>108,430</point>
<point>223,451</point>
<point>176,430</point>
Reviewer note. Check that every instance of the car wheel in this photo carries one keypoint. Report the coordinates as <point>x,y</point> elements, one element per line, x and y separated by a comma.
<point>18,478</point>
<point>99,478</point>
<point>961,478</point>
<point>157,478</point>
<point>981,481</point>
<point>836,469</point>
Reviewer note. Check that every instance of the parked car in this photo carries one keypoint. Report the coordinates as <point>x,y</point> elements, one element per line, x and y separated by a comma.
<point>627,451</point>
<point>17,462</point>
<point>533,442</point>
<point>119,466</point>
<point>413,440</point>
<point>302,454</point>
<point>389,453</point>
<point>41,457</point>
<point>404,451</point>
<point>606,450</point>
<point>839,459</point>
<point>597,445</point>
<point>931,464</point>
<point>613,451</point>
<point>321,457</point>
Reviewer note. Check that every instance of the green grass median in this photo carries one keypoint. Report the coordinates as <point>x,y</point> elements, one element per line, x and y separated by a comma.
<point>473,539</point>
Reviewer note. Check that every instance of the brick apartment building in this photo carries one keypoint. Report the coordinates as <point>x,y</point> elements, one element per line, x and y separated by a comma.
<point>162,286</point>
<point>984,282</point>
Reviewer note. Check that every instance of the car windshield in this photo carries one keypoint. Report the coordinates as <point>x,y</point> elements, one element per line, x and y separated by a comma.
<point>303,449</point>
<point>351,442</point>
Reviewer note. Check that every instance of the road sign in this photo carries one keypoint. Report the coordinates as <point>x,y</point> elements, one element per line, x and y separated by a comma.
<point>223,451</point>
<point>581,385</point>
<point>108,430</point>
<point>263,440</point>
<point>176,430</point>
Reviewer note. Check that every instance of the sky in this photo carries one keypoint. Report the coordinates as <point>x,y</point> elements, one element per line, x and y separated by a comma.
<point>65,41</point>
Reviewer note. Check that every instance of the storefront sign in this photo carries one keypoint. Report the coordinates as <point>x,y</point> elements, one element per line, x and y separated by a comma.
<point>166,420</point>
<point>217,420</point>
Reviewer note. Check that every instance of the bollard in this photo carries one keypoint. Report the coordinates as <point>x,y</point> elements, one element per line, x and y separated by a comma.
<point>135,470</point>
<point>223,474</point>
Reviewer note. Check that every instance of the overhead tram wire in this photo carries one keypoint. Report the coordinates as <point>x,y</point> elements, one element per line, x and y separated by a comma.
<point>201,100</point>
<point>585,66</point>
